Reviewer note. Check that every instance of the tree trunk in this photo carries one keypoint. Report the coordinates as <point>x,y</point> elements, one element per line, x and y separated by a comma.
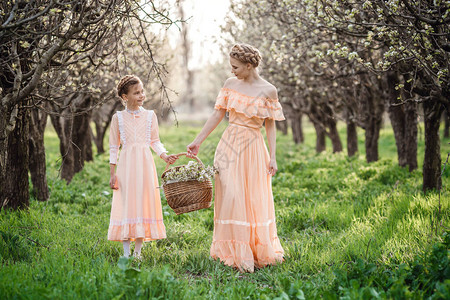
<point>66,148</point>
<point>397,117</point>
<point>82,136</point>
<point>282,126</point>
<point>320,138</point>
<point>373,110</point>
<point>446,124</point>
<point>82,141</point>
<point>297,129</point>
<point>371,139</point>
<point>352,138</point>
<point>334,136</point>
<point>99,137</point>
<point>189,94</point>
<point>352,134</point>
<point>102,118</point>
<point>186,43</point>
<point>16,187</point>
<point>404,122</point>
<point>3,151</point>
<point>329,120</point>
<point>75,140</point>
<point>432,160</point>
<point>317,119</point>
<point>37,154</point>
<point>411,135</point>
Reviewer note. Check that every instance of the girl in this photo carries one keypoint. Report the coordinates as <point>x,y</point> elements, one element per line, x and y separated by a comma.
<point>245,234</point>
<point>136,213</point>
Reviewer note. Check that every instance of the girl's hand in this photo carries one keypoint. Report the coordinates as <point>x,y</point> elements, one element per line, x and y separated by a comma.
<point>273,167</point>
<point>192,149</point>
<point>170,159</point>
<point>113,182</point>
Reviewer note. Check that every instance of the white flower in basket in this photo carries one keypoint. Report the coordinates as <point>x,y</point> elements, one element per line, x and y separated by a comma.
<point>192,171</point>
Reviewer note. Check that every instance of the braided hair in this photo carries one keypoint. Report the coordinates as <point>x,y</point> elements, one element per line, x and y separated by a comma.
<point>125,83</point>
<point>246,54</point>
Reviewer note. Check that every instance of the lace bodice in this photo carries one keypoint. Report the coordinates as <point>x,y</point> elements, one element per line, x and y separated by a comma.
<point>134,128</point>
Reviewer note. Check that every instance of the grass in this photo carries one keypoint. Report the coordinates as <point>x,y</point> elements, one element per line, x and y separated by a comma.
<point>349,229</point>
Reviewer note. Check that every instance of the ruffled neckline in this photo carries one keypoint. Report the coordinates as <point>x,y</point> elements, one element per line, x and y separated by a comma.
<point>247,96</point>
<point>135,112</point>
<point>251,106</point>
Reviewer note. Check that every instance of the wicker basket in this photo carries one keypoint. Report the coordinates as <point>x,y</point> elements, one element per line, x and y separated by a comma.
<point>187,196</point>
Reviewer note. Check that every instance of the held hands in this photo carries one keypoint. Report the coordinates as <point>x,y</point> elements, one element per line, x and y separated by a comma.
<point>272,167</point>
<point>192,149</point>
<point>170,159</point>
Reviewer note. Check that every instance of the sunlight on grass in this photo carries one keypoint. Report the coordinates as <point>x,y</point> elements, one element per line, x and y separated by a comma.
<point>337,217</point>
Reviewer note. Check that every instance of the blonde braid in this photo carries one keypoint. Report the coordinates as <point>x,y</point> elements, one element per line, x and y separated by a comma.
<point>246,54</point>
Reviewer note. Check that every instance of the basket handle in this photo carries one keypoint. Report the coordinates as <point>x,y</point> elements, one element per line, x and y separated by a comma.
<point>185,153</point>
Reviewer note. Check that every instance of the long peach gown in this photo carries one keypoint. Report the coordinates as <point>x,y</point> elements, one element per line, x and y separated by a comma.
<point>245,233</point>
<point>136,206</point>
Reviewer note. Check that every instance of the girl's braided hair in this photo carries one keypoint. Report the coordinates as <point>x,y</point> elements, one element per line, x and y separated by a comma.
<point>246,54</point>
<point>125,82</point>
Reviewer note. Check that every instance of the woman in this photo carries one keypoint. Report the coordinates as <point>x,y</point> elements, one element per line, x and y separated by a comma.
<point>245,234</point>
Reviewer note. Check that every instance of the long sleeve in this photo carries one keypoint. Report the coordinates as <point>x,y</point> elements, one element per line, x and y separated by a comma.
<point>155,143</point>
<point>114,140</point>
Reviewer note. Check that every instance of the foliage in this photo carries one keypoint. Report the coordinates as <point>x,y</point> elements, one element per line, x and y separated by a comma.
<point>427,276</point>
<point>351,60</point>
<point>349,229</point>
<point>318,39</point>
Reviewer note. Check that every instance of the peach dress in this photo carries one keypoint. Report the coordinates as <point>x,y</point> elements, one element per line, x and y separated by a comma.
<point>245,233</point>
<point>136,206</point>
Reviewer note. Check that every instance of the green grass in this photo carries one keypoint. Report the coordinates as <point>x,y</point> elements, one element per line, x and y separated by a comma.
<point>349,229</point>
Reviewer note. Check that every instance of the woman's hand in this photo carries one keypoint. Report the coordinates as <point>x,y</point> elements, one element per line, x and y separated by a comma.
<point>170,159</point>
<point>192,149</point>
<point>273,167</point>
<point>113,182</point>
<point>213,121</point>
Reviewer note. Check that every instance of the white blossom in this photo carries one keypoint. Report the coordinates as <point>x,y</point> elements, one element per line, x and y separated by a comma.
<point>191,171</point>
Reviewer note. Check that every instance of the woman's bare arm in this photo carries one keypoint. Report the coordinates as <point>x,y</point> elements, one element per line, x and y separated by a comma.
<point>212,122</point>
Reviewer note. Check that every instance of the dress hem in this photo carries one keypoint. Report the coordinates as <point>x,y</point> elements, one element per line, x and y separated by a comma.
<point>250,261</point>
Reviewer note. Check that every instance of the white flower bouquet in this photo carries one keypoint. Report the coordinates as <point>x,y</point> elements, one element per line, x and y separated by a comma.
<point>192,171</point>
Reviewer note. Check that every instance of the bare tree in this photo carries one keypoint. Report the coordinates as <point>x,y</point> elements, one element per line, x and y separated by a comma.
<point>40,37</point>
<point>105,80</point>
